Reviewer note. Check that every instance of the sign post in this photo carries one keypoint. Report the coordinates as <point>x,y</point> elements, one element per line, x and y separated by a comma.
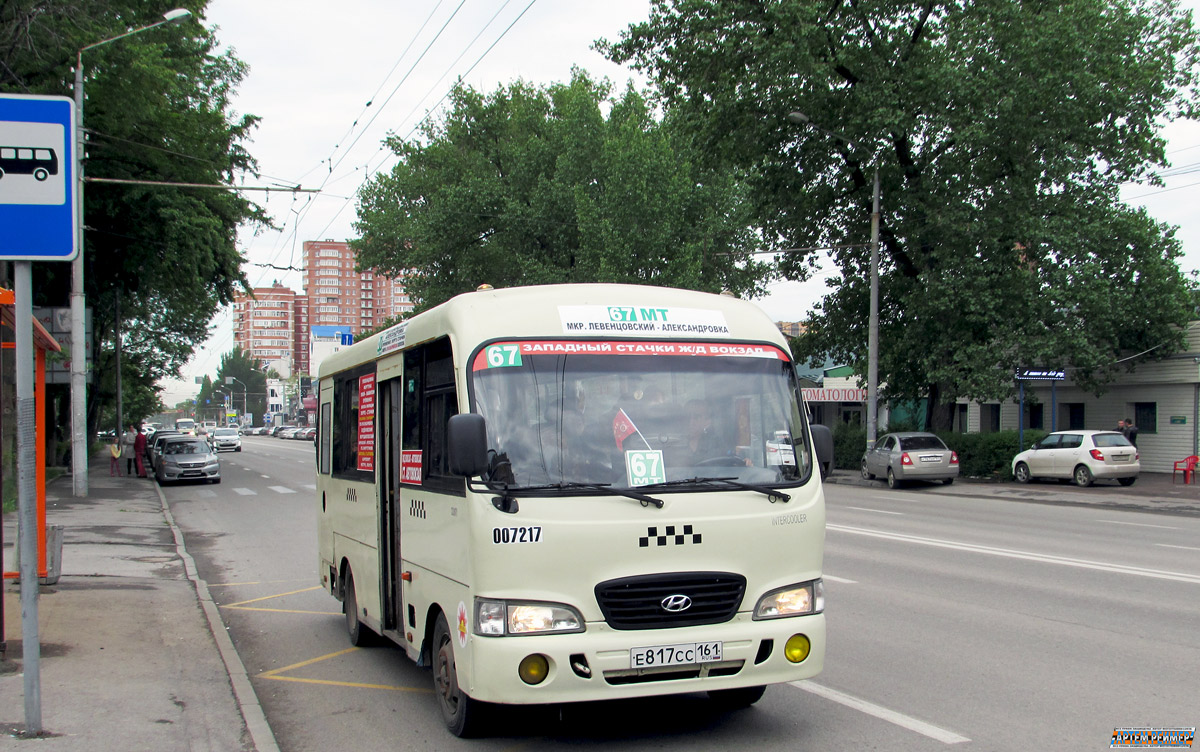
<point>37,223</point>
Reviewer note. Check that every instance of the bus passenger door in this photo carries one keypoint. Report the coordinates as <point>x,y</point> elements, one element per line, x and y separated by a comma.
<point>390,515</point>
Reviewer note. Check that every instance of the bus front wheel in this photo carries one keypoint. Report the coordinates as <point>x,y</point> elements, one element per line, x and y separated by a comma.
<point>463,716</point>
<point>736,699</point>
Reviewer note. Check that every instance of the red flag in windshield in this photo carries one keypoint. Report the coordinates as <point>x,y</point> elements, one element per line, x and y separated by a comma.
<point>623,427</point>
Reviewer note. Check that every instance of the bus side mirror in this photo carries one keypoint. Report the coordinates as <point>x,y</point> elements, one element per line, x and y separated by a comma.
<point>823,444</point>
<point>467,444</point>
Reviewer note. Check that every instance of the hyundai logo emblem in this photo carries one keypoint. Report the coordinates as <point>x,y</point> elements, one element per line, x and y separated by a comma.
<point>676,603</point>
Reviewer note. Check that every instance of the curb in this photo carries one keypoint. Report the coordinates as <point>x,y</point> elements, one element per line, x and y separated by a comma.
<point>261,735</point>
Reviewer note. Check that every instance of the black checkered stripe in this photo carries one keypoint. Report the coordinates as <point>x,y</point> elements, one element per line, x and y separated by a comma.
<point>416,508</point>
<point>672,535</point>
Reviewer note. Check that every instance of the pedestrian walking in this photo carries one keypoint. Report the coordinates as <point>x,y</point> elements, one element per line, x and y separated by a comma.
<point>127,441</point>
<point>139,453</point>
<point>114,452</point>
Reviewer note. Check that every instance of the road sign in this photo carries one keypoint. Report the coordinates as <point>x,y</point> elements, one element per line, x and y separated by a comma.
<point>37,178</point>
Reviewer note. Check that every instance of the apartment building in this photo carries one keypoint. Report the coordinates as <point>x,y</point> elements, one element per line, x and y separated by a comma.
<point>264,326</point>
<point>275,325</point>
<point>337,295</point>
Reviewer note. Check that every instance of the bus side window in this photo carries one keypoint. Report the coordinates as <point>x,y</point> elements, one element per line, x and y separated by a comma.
<point>430,398</point>
<point>345,429</point>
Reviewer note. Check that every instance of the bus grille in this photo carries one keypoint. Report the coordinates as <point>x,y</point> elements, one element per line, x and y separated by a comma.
<point>637,602</point>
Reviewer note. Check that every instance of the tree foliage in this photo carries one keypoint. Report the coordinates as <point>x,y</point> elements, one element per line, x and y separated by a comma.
<point>1002,131</point>
<point>558,184</point>
<point>157,108</point>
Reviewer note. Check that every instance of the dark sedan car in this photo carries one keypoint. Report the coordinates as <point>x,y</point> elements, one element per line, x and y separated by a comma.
<point>910,455</point>
<point>154,444</point>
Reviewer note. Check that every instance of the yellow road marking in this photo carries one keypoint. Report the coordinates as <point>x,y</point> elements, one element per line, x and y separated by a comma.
<point>310,661</point>
<point>275,674</point>
<point>285,610</point>
<point>260,582</point>
<point>349,684</point>
<point>269,597</point>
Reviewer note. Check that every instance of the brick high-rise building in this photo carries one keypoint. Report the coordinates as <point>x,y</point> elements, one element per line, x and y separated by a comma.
<point>275,326</point>
<point>337,295</point>
<point>265,326</point>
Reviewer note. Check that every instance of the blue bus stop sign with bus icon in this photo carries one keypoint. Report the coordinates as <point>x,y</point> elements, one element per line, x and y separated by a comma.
<point>37,178</point>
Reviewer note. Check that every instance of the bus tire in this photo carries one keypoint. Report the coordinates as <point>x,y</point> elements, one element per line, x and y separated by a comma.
<point>360,635</point>
<point>463,716</point>
<point>736,699</point>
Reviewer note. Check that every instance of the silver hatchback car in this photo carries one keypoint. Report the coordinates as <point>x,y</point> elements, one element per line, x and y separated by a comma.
<point>910,455</point>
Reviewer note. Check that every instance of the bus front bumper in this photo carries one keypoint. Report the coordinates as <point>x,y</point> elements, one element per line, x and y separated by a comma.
<point>596,664</point>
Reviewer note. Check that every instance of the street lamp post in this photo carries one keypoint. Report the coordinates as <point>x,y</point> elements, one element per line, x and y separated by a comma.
<point>230,380</point>
<point>873,318</point>
<point>224,395</point>
<point>79,459</point>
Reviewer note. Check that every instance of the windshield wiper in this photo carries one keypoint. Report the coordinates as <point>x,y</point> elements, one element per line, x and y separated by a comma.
<point>772,493</point>
<point>595,486</point>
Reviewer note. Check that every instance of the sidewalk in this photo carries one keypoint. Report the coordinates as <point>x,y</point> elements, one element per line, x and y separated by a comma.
<point>129,656</point>
<point>1153,492</point>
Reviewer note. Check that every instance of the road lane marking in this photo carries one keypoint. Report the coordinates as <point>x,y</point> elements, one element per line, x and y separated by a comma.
<point>1139,524</point>
<point>842,580</point>
<point>309,486</point>
<point>277,595</point>
<point>937,733</point>
<point>879,511</point>
<point>245,491</point>
<point>275,674</point>
<point>1168,545</point>
<point>1026,555</point>
<point>282,489</point>
<point>267,477</point>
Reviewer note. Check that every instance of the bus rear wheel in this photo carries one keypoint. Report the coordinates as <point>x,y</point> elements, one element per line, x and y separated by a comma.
<point>360,635</point>
<point>463,716</point>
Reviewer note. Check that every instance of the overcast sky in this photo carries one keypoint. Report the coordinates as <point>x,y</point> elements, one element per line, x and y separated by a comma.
<point>330,81</point>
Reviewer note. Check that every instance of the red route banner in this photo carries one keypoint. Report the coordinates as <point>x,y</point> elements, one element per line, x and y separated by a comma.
<point>620,347</point>
<point>366,422</point>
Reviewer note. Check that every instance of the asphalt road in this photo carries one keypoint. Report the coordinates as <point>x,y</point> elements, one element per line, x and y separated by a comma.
<point>964,622</point>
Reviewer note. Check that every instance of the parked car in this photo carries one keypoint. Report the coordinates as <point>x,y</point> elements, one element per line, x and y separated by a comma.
<point>288,433</point>
<point>280,429</point>
<point>910,455</point>
<point>225,439</point>
<point>187,458</point>
<point>1082,456</point>
<point>306,434</point>
<point>154,445</point>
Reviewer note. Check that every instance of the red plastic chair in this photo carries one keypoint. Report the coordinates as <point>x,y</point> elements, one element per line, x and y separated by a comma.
<point>1187,466</point>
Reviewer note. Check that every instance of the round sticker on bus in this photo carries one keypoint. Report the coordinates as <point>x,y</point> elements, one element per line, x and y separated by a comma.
<point>462,624</point>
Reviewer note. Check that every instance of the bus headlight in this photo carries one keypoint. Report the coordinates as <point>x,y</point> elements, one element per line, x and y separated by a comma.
<point>793,600</point>
<point>497,618</point>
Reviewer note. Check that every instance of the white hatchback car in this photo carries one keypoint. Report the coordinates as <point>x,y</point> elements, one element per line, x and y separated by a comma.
<point>1082,456</point>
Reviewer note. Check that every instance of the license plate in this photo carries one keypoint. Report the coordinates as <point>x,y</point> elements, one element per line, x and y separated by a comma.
<point>675,655</point>
<point>191,473</point>
<point>931,458</point>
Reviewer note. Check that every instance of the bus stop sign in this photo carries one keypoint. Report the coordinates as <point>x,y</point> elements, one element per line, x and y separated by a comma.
<point>37,178</point>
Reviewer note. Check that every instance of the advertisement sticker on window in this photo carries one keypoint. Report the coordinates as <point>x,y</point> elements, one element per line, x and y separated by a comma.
<point>366,422</point>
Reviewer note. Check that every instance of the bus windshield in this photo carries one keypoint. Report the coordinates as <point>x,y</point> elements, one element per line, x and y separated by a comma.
<point>631,414</point>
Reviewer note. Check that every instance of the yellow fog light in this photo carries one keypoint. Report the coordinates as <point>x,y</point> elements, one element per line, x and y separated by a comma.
<point>534,669</point>
<point>797,648</point>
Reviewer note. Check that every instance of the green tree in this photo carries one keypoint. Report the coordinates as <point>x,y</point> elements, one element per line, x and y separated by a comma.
<point>537,185</point>
<point>157,109</point>
<point>248,371</point>
<point>1002,131</point>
